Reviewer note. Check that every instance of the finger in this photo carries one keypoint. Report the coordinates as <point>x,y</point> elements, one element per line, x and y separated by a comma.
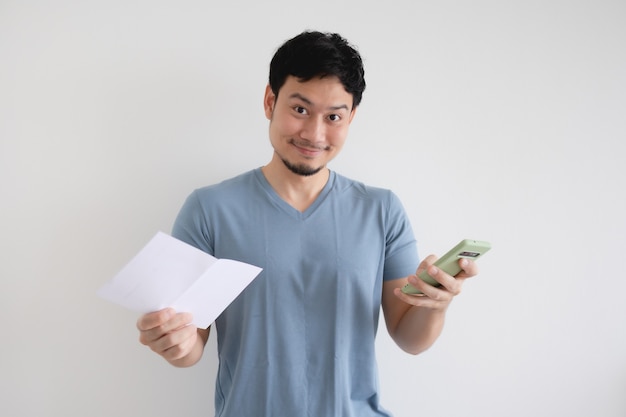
<point>177,321</point>
<point>184,340</point>
<point>469,268</point>
<point>428,261</point>
<point>423,300</point>
<point>448,282</point>
<point>449,287</point>
<point>436,293</point>
<point>157,318</point>
<point>418,283</point>
<point>175,344</point>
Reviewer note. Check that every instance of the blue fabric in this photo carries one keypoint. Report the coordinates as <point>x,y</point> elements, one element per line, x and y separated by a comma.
<point>299,340</point>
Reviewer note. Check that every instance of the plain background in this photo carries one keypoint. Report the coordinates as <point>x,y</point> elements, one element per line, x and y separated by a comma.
<point>494,120</point>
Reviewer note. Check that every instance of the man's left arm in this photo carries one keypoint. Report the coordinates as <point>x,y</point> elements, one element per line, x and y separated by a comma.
<point>416,321</point>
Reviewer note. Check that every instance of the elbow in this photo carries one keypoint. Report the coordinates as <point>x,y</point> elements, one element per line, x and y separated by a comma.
<point>414,350</point>
<point>412,347</point>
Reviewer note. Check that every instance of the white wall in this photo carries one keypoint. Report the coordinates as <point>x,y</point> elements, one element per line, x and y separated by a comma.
<point>495,120</point>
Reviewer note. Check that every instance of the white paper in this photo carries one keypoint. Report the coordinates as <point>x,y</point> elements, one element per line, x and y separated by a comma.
<point>170,273</point>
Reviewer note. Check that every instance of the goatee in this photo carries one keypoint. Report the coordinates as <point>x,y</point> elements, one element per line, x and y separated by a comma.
<point>301,169</point>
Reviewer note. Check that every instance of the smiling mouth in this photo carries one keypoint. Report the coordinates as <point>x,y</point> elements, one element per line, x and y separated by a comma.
<point>308,148</point>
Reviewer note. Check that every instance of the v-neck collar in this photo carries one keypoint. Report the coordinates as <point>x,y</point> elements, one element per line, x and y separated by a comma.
<point>288,208</point>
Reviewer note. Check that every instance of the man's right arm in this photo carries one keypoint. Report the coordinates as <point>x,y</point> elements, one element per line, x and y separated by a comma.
<point>173,336</point>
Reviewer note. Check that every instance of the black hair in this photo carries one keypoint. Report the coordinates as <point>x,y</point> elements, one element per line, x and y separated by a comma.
<point>317,54</point>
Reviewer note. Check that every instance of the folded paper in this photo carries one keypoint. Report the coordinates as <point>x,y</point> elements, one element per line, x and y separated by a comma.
<point>170,273</point>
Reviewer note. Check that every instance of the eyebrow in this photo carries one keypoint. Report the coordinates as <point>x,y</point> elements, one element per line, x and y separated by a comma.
<point>309,102</point>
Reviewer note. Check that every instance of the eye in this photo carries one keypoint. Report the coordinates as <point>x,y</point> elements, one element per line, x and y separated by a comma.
<point>300,110</point>
<point>334,117</point>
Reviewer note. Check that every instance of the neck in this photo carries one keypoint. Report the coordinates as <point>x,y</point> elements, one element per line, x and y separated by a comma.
<point>298,191</point>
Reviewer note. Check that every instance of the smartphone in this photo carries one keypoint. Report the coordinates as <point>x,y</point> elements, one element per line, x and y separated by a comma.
<point>449,263</point>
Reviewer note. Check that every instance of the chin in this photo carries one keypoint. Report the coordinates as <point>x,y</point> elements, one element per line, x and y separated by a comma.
<point>302,169</point>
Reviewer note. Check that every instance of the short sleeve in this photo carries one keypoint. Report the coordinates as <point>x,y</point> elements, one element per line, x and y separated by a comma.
<point>190,225</point>
<point>401,257</point>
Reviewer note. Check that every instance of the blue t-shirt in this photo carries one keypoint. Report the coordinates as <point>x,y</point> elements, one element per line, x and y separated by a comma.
<point>299,340</point>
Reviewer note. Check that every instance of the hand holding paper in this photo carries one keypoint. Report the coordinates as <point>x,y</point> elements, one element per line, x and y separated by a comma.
<point>170,273</point>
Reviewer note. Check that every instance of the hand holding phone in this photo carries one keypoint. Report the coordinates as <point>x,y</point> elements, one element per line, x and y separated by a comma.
<point>449,263</point>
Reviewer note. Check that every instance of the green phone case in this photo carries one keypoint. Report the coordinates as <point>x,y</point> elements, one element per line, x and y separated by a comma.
<point>449,263</point>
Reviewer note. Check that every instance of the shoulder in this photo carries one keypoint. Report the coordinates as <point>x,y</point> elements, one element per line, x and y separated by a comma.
<point>221,197</point>
<point>205,207</point>
<point>245,180</point>
<point>360,190</point>
<point>232,189</point>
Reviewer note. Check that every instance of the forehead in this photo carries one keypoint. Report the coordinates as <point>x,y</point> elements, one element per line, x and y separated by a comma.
<point>326,92</point>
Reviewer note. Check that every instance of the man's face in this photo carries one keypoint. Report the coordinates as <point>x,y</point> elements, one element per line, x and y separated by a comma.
<point>308,122</point>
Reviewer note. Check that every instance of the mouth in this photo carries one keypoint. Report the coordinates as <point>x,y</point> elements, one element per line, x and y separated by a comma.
<point>308,149</point>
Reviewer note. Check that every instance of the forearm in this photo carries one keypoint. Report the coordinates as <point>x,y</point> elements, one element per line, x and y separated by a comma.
<point>418,329</point>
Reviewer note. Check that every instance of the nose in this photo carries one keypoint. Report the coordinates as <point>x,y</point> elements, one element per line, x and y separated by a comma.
<point>314,130</point>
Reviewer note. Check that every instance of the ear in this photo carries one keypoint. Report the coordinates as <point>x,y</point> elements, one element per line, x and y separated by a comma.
<point>269,101</point>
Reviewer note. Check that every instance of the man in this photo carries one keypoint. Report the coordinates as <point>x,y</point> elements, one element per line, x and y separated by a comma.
<point>299,340</point>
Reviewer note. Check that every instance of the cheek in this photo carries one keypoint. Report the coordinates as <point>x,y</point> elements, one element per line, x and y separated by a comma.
<point>337,137</point>
<point>284,126</point>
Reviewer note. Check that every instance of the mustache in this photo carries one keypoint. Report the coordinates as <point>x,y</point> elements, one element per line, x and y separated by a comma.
<point>308,145</point>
